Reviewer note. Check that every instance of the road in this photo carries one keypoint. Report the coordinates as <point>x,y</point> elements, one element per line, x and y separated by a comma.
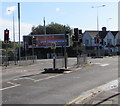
<point>59,88</point>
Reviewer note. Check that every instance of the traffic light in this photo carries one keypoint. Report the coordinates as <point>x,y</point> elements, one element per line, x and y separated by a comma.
<point>34,41</point>
<point>67,37</point>
<point>73,38</point>
<point>30,40</point>
<point>80,31</point>
<point>6,35</point>
<point>76,34</point>
<point>97,39</point>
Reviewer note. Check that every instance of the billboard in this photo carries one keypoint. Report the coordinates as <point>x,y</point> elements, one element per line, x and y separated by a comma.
<point>45,41</point>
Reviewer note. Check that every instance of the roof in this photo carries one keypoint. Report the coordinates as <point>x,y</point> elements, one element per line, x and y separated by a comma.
<point>92,33</point>
<point>102,34</point>
<point>114,33</point>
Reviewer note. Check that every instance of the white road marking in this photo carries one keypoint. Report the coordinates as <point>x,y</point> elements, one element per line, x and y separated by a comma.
<point>47,78</point>
<point>77,69</point>
<point>95,91</point>
<point>104,65</point>
<point>96,63</point>
<point>11,83</point>
<point>30,79</point>
<point>9,87</point>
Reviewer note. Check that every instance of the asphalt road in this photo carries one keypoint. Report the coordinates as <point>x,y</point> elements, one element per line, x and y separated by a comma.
<point>12,72</point>
<point>59,88</point>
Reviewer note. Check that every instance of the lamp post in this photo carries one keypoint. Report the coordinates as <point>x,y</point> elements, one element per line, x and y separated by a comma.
<point>10,11</point>
<point>19,29</point>
<point>107,21</point>
<point>98,23</point>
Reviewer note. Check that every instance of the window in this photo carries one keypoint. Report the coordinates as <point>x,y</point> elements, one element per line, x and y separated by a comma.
<point>118,41</point>
<point>109,41</point>
<point>86,42</point>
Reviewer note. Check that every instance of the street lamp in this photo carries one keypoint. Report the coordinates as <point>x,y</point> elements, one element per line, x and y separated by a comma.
<point>10,11</point>
<point>107,21</point>
<point>98,14</point>
<point>98,22</point>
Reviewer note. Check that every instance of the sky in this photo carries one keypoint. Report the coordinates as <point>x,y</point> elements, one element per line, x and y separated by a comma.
<point>76,14</point>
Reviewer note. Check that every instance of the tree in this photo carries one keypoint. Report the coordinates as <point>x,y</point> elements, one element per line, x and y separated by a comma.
<point>53,28</point>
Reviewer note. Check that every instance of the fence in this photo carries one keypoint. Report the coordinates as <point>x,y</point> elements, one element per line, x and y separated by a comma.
<point>82,59</point>
<point>27,60</point>
<point>59,62</point>
<point>23,61</point>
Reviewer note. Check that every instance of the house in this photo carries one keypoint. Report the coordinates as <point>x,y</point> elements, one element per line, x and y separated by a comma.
<point>117,42</point>
<point>93,41</point>
<point>101,43</point>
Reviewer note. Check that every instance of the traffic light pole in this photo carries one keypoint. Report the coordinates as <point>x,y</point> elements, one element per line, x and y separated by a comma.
<point>32,49</point>
<point>65,53</point>
<point>19,28</point>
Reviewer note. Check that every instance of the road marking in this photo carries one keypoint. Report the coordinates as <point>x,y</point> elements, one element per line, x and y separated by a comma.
<point>93,92</point>
<point>30,79</point>
<point>104,65</point>
<point>78,69</point>
<point>10,87</point>
<point>47,78</point>
<point>11,83</point>
<point>96,63</point>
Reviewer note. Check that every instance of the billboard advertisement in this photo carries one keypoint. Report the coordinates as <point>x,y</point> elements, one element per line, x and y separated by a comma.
<point>45,41</point>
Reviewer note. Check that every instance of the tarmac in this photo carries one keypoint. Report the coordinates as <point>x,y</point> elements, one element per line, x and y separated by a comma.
<point>110,98</point>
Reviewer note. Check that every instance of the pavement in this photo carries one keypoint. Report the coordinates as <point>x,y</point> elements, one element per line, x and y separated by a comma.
<point>97,98</point>
<point>110,97</point>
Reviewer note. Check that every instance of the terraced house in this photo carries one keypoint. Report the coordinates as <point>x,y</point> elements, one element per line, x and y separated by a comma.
<point>101,42</point>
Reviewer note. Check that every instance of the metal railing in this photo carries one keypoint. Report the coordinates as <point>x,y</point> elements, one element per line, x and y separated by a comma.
<point>5,61</point>
<point>27,60</point>
<point>82,59</point>
<point>59,62</point>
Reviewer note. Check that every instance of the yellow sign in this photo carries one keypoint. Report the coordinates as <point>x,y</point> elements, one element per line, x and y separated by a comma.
<point>53,45</point>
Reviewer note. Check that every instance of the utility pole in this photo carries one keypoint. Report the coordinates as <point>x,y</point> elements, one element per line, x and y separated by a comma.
<point>98,53</point>
<point>44,27</point>
<point>19,28</point>
<point>65,53</point>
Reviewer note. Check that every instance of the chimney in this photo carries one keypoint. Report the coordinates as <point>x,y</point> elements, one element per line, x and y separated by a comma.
<point>103,29</point>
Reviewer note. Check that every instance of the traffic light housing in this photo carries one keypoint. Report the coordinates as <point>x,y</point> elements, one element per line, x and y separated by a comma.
<point>6,35</point>
<point>34,41</point>
<point>67,37</point>
<point>76,34</point>
<point>97,39</point>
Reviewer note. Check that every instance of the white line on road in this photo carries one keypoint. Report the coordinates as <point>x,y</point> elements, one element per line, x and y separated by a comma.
<point>95,91</point>
<point>104,65</point>
<point>11,83</point>
<point>78,69</point>
<point>31,79</point>
<point>47,78</point>
<point>10,87</point>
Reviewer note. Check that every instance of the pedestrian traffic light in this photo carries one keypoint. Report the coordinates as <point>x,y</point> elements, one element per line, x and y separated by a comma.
<point>97,39</point>
<point>76,34</point>
<point>30,40</point>
<point>34,41</point>
<point>67,37</point>
<point>73,38</point>
<point>6,35</point>
<point>80,31</point>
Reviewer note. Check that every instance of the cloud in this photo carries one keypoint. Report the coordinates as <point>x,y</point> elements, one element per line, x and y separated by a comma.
<point>25,29</point>
<point>58,9</point>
